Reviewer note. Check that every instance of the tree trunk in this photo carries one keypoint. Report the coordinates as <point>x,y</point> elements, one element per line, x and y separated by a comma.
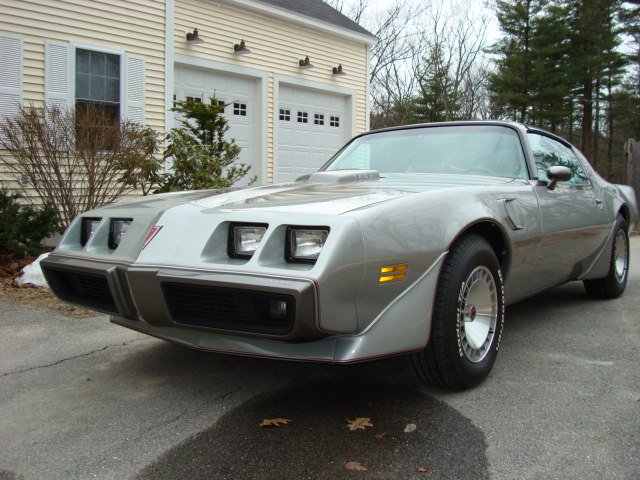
<point>586,130</point>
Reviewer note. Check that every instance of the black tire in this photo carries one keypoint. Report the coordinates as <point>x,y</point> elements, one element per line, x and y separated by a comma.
<point>445,362</point>
<point>613,285</point>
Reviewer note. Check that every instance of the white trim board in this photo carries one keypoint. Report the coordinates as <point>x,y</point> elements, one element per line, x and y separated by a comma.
<point>169,67</point>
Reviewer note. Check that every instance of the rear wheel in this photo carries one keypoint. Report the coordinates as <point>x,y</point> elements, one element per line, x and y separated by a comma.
<point>613,285</point>
<point>467,319</point>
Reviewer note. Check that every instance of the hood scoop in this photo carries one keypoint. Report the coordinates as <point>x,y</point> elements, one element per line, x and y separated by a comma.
<point>336,177</point>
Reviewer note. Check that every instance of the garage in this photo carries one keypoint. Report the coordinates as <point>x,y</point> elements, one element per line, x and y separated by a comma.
<point>311,126</point>
<point>239,94</point>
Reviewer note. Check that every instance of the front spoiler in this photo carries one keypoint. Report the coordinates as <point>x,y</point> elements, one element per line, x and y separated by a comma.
<point>400,328</point>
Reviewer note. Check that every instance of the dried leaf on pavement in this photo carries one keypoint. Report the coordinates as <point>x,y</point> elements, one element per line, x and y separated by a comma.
<point>359,423</point>
<point>274,422</point>
<point>355,466</point>
<point>425,469</point>
<point>411,427</point>
<point>380,436</point>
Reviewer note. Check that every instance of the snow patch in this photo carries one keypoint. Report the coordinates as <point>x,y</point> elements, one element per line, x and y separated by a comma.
<point>32,274</point>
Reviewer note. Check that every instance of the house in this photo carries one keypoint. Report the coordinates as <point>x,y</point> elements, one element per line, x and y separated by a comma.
<point>293,73</point>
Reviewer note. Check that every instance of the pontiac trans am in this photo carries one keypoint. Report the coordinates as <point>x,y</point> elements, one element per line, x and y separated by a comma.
<point>409,241</point>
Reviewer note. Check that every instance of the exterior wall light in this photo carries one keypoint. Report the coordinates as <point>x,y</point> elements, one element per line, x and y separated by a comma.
<point>194,38</point>
<point>306,63</point>
<point>241,48</point>
<point>338,70</point>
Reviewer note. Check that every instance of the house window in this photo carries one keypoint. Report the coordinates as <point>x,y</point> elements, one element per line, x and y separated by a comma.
<point>318,119</point>
<point>285,114</point>
<point>194,99</point>
<point>98,81</point>
<point>240,109</point>
<point>303,117</point>
<point>334,121</point>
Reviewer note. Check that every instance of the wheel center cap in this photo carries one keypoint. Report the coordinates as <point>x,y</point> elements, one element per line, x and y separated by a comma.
<point>472,313</point>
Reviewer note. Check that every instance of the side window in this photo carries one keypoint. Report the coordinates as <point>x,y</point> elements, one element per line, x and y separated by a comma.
<point>549,152</point>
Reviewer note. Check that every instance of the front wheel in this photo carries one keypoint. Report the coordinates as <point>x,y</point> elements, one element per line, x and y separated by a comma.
<point>613,285</point>
<point>467,318</point>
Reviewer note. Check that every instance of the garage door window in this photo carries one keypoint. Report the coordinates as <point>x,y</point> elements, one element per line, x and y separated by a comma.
<point>334,121</point>
<point>219,103</point>
<point>303,117</point>
<point>285,114</point>
<point>318,119</point>
<point>240,109</point>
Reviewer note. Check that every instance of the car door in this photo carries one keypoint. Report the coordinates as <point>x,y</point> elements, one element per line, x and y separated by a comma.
<point>574,222</point>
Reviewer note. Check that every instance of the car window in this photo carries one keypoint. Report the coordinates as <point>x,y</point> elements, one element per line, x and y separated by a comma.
<point>549,153</point>
<point>490,150</point>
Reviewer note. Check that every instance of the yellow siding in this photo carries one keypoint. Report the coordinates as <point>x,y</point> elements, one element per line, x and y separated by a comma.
<point>276,46</point>
<point>136,28</point>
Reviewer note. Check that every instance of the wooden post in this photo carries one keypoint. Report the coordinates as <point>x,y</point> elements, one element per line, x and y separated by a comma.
<point>632,168</point>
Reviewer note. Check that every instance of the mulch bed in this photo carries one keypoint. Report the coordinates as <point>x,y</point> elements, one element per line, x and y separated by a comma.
<point>30,296</point>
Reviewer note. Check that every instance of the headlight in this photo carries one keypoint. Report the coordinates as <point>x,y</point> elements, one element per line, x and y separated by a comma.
<point>119,227</point>
<point>89,227</point>
<point>244,239</point>
<point>305,244</point>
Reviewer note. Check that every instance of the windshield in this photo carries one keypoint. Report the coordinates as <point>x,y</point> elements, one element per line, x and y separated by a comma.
<point>468,150</point>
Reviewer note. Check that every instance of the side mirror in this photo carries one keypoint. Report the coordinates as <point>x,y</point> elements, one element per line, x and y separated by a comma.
<point>558,174</point>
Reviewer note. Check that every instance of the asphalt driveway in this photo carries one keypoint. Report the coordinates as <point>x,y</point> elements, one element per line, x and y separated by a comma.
<point>82,398</point>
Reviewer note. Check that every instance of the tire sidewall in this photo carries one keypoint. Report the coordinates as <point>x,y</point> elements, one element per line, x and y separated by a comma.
<point>616,286</point>
<point>471,373</point>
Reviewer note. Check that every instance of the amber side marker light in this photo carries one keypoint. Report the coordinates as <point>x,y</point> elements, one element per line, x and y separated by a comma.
<point>393,273</point>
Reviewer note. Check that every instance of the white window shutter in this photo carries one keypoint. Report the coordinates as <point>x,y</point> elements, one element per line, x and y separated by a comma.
<point>57,77</point>
<point>134,89</point>
<point>10,75</point>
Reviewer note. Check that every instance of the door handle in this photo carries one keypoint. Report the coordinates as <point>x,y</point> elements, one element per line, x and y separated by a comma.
<point>600,203</point>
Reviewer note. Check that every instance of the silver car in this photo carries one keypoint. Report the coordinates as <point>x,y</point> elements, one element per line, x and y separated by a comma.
<point>409,241</point>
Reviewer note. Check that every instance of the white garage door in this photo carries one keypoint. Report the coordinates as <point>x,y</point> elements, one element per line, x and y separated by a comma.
<point>240,93</point>
<point>311,127</point>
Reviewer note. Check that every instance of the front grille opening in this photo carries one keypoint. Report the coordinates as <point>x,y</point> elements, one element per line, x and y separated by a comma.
<point>230,308</point>
<point>86,289</point>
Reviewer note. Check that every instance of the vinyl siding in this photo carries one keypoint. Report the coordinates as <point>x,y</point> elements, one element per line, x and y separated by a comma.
<point>135,28</point>
<point>276,46</point>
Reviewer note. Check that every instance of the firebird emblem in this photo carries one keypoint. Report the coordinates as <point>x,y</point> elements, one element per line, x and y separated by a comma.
<point>152,233</point>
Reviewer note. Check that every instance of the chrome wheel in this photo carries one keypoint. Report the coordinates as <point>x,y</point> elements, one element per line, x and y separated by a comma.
<point>477,314</point>
<point>621,256</point>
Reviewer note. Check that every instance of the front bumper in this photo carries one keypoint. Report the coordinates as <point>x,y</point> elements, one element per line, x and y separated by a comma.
<point>135,297</point>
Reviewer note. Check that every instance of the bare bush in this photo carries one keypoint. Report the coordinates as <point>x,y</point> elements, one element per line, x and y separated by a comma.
<point>77,159</point>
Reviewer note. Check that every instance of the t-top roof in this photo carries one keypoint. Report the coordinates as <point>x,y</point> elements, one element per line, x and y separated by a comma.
<point>319,10</point>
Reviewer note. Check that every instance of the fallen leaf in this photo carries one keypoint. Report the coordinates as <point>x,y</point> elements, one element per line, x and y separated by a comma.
<point>425,469</point>
<point>359,423</point>
<point>411,427</point>
<point>380,436</point>
<point>355,466</point>
<point>274,422</point>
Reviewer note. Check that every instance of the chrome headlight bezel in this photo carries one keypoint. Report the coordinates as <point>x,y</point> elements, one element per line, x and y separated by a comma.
<point>235,236</point>
<point>295,241</point>
<point>87,230</point>
<point>116,233</point>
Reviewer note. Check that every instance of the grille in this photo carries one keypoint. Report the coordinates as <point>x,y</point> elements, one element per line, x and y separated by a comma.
<point>229,309</point>
<point>87,289</point>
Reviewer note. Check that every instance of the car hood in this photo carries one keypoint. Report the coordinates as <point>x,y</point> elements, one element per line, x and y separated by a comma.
<point>336,198</point>
<point>311,195</point>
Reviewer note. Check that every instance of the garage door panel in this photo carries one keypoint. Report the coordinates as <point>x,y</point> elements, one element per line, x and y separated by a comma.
<point>240,96</point>
<point>304,147</point>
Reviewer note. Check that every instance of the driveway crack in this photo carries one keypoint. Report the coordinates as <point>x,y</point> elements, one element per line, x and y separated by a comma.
<point>71,358</point>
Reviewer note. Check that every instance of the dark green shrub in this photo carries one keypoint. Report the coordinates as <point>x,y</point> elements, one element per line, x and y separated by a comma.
<point>23,227</point>
<point>202,157</point>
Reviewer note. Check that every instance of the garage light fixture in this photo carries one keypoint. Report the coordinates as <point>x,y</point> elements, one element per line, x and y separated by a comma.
<point>337,71</point>
<point>306,63</point>
<point>241,48</point>
<point>194,38</point>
